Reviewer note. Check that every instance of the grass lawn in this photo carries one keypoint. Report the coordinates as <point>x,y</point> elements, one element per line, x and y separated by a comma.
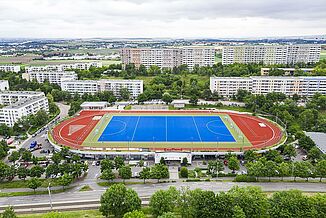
<point>323,54</point>
<point>24,183</point>
<point>12,194</point>
<point>70,214</point>
<point>85,188</point>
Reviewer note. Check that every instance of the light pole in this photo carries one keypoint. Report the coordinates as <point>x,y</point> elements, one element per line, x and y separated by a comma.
<point>49,190</point>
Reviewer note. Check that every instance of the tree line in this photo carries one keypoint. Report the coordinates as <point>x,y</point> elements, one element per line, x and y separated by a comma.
<point>119,201</point>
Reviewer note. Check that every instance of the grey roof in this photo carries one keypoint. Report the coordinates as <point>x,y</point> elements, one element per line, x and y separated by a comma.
<point>320,140</point>
<point>24,102</point>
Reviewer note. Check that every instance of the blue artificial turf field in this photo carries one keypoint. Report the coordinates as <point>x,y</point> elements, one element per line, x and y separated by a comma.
<point>166,129</point>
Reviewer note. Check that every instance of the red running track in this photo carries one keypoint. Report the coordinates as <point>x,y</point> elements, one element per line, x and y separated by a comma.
<point>259,137</point>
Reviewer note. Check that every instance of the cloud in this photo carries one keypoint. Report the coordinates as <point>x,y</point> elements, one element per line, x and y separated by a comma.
<point>161,18</point>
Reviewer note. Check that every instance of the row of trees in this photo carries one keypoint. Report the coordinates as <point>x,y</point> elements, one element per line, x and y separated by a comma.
<point>242,202</point>
<point>302,169</point>
<point>158,171</point>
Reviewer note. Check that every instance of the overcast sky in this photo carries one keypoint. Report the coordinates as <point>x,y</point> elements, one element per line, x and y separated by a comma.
<point>161,18</point>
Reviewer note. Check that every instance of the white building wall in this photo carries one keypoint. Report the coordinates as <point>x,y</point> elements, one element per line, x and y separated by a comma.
<point>4,85</point>
<point>10,68</point>
<point>54,77</point>
<point>271,54</point>
<point>302,86</point>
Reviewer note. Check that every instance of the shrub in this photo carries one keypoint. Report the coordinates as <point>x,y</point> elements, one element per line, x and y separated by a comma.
<point>244,178</point>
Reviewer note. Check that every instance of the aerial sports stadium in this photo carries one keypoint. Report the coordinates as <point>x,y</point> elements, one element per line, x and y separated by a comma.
<point>166,131</point>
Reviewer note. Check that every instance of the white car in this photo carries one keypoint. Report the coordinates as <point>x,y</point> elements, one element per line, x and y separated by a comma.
<point>94,163</point>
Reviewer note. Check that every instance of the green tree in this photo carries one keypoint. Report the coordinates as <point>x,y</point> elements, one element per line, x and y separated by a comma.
<point>184,162</point>
<point>289,151</point>
<point>302,170</point>
<point>252,200</point>
<point>163,201</point>
<point>134,214</point>
<point>238,212</point>
<point>26,155</point>
<point>234,164</point>
<point>314,154</point>
<point>118,162</point>
<point>167,98</point>
<point>250,155</point>
<point>159,171</point>
<point>124,94</point>
<point>284,170</point>
<point>9,213</point>
<point>34,183</point>
<point>22,172</point>
<point>193,100</point>
<point>65,180</point>
<point>270,169</point>
<point>125,172</point>
<point>184,172</point>
<point>167,215</point>
<point>15,155</point>
<point>321,169</point>
<point>118,200</point>
<point>145,174</point>
<point>107,174</point>
<point>36,171</point>
<point>289,204</point>
<point>106,164</point>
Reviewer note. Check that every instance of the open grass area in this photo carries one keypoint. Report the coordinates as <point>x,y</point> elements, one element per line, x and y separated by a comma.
<point>241,140</point>
<point>28,59</point>
<point>13,194</point>
<point>70,214</point>
<point>24,183</point>
<point>85,188</point>
<point>323,54</point>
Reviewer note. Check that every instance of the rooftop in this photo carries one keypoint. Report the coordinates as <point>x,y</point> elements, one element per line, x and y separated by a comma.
<point>94,104</point>
<point>21,93</point>
<point>320,140</point>
<point>23,103</point>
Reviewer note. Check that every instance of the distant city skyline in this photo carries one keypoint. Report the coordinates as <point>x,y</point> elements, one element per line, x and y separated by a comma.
<point>161,18</point>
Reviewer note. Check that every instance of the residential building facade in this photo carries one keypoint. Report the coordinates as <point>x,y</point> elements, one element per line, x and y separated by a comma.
<point>135,87</point>
<point>63,67</point>
<point>20,104</point>
<point>168,57</point>
<point>10,68</point>
<point>51,76</point>
<point>302,86</point>
<point>271,54</point>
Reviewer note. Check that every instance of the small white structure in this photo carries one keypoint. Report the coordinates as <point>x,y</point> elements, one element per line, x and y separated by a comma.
<point>179,103</point>
<point>93,105</point>
<point>172,156</point>
<point>4,85</point>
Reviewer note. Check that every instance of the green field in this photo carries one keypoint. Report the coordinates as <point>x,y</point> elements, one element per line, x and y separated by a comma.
<point>28,60</point>
<point>241,140</point>
<point>323,54</point>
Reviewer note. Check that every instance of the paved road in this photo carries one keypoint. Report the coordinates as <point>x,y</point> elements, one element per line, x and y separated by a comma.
<point>148,189</point>
<point>42,136</point>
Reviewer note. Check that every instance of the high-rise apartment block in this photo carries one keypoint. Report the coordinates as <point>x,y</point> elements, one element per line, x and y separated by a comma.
<point>271,54</point>
<point>169,57</point>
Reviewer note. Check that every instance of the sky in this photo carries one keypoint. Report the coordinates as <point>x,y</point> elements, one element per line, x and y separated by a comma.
<point>161,18</point>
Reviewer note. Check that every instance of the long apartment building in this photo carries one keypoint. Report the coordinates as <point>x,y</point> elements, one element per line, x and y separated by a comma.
<point>169,57</point>
<point>10,68</point>
<point>63,67</point>
<point>271,54</point>
<point>135,87</point>
<point>302,86</point>
<point>55,77</point>
<point>20,104</point>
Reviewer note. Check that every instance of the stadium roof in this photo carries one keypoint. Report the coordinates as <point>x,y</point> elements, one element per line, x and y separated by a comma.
<point>320,140</point>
